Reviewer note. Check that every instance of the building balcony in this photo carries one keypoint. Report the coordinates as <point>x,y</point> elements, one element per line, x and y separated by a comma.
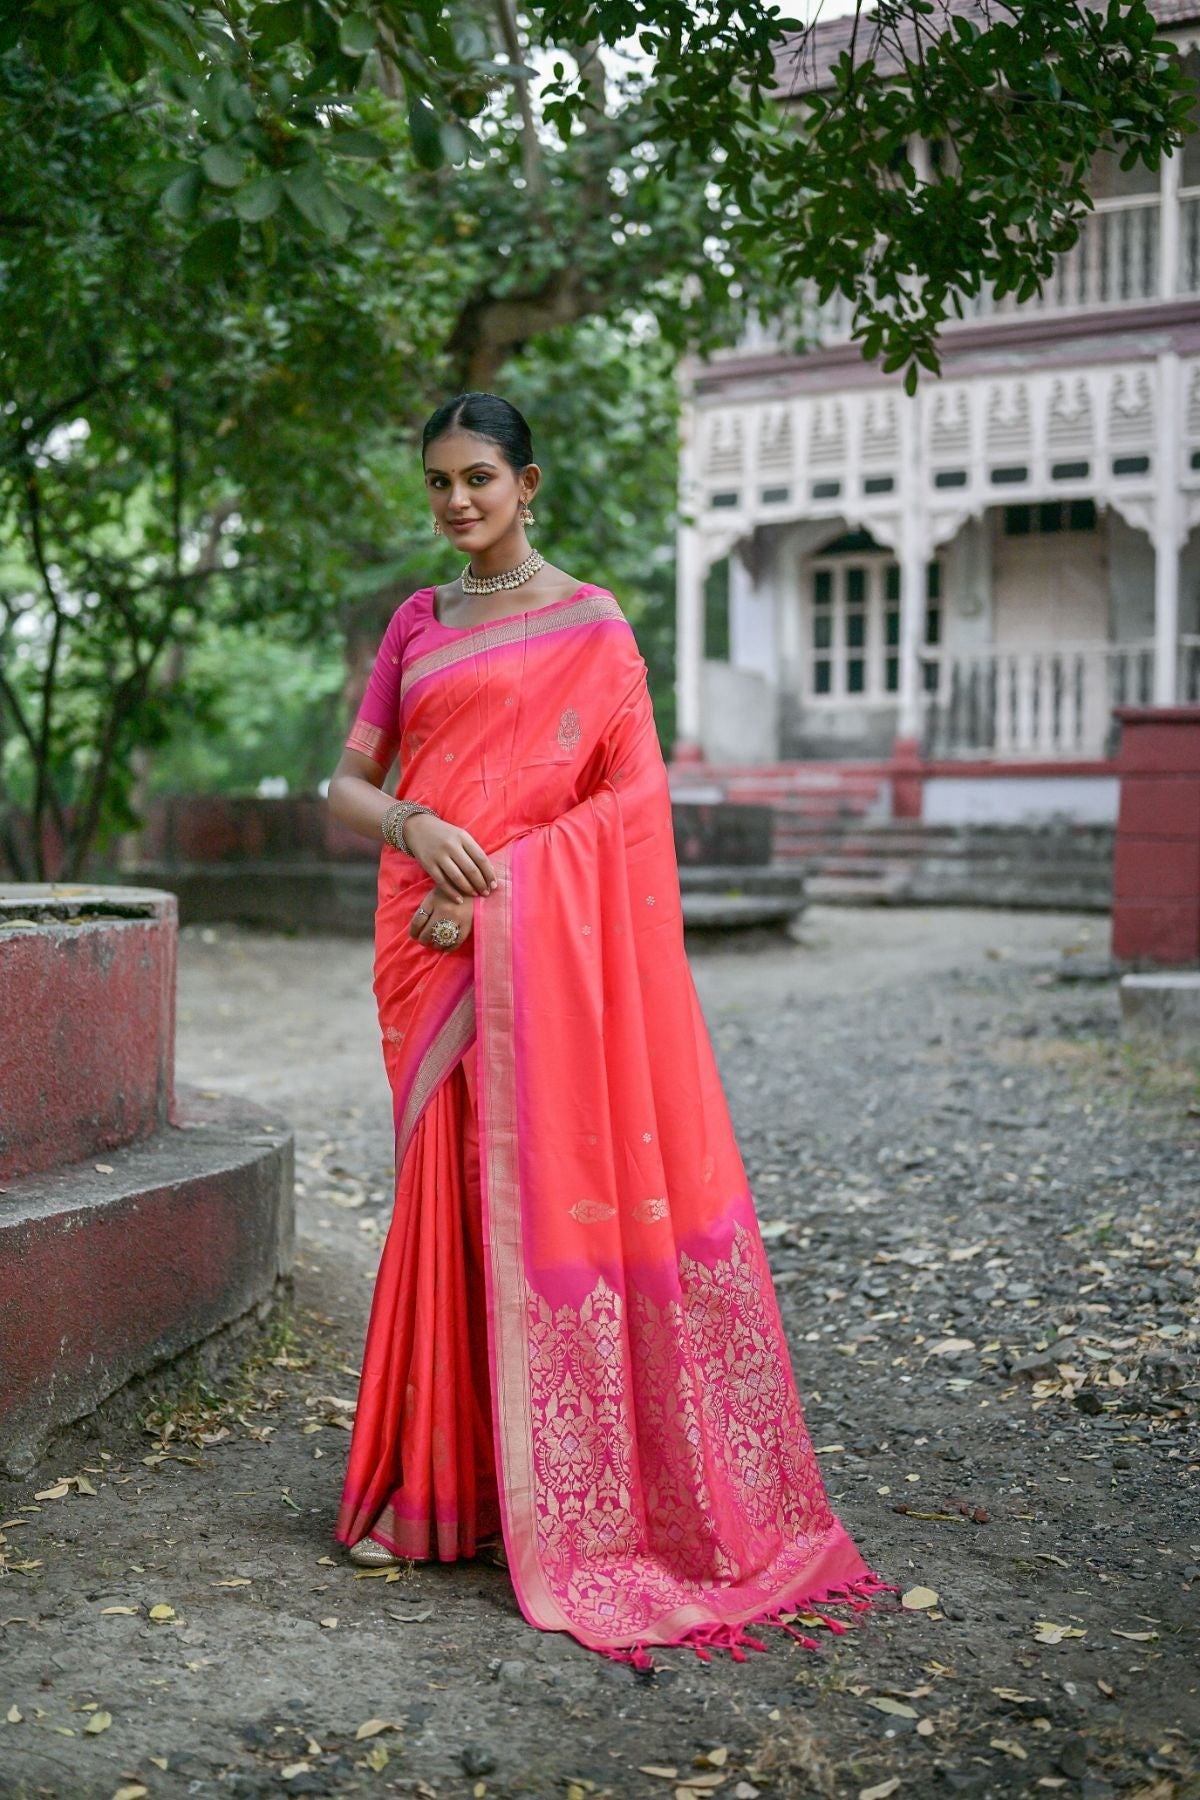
<point>1132,252</point>
<point>1041,703</point>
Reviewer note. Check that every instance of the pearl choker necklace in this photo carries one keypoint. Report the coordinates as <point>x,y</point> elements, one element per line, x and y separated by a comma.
<point>511,578</point>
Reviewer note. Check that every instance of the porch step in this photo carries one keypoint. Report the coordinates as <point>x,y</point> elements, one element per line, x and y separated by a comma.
<point>796,791</point>
<point>1065,866</point>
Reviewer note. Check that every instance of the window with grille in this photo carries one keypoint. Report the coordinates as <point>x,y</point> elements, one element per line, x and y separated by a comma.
<point>854,625</point>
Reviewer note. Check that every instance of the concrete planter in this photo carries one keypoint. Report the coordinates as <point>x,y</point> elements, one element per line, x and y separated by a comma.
<point>133,1223</point>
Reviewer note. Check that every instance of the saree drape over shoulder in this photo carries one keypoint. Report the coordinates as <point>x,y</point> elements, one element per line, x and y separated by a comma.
<point>614,1390</point>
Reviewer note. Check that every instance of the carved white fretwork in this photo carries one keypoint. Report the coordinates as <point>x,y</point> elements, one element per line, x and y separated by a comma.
<point>1131,410</point>
<point>775,445</point>
<point>827,432</point>
<point>980,442</point>
<point>1070,425</point>
<point>723,445</point>
<point>1007,418</point>
<point>949,425</point>
<point>880,440</point>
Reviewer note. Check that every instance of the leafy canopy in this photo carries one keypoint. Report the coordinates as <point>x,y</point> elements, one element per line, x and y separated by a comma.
<point>1020,95</point>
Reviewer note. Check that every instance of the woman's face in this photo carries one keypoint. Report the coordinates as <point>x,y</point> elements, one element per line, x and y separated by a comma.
<point>474,492</point>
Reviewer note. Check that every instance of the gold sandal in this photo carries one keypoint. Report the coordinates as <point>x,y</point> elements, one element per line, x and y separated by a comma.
<point>369,1553</point>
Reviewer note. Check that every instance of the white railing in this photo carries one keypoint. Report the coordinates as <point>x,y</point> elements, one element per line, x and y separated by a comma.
<point>1052,702</point>
<point>1188,686</point>
<point>1117,261</point>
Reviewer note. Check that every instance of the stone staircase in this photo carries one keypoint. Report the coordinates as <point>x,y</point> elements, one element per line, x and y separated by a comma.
<point>833,822</point>
<point>1063,866</point>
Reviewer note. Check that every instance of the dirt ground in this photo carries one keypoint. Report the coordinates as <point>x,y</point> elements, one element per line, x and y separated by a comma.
<point>981,1211</point>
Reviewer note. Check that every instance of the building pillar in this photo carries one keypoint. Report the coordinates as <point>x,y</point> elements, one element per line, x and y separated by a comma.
<point>1167,533</point>
<point>689,646</point>
<point>1168,226</point>
<point>913,556</point>
<point>689,590</point>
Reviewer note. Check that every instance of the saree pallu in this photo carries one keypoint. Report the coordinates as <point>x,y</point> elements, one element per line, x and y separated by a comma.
<point>655,1480</point>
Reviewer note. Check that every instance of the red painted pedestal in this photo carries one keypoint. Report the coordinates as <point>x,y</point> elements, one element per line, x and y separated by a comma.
<point>1156,870</point>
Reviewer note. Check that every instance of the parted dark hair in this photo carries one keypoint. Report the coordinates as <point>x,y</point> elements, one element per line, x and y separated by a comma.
<point>487,416</point>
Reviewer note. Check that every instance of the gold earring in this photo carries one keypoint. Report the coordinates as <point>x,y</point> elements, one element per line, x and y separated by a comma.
<point>437,526</point>
<point>527,517</point>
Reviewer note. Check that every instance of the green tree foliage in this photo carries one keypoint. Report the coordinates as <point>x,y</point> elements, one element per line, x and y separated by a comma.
<point>1015,101</point>
<point>170,449</point>
<point>245,248</point>
<point>1022,95</point>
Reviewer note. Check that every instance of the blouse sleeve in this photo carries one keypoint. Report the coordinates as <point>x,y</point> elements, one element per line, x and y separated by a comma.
<point>376,728</point>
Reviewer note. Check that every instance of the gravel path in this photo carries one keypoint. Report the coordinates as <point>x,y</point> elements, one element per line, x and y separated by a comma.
<point>981,1211</point>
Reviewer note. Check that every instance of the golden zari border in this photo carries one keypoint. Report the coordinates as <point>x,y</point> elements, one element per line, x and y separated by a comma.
<point>510,631</point>
<point>447,1048</point>
<point>373,741</point>
<point>502,1225</point>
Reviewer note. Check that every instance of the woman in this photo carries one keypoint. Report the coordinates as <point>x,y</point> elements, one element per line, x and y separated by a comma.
<point>574,1339</point>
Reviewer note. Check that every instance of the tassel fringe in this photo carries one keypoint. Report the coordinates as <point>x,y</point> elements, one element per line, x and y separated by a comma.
<point>859,1594</point>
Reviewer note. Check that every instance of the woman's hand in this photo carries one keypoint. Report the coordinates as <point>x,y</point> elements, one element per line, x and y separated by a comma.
<point>439,903</point>
<point>449,855</point>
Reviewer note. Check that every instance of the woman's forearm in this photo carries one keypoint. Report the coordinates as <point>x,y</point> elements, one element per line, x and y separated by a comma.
<point>359,804</point>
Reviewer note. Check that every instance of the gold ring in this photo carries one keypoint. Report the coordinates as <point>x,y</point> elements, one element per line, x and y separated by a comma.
<point>446,933</point>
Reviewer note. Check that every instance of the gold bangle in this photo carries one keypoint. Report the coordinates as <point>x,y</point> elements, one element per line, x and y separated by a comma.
<point>395,819</point>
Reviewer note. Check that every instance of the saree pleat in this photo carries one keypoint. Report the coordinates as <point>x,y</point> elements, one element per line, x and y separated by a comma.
<point>574,1333</point>
<point>422,1477</point>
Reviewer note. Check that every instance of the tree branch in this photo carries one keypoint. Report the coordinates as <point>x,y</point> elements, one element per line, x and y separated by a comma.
<point>531,150</point>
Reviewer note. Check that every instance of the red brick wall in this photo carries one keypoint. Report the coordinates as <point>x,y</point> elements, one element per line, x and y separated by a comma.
<point>1156,871</point>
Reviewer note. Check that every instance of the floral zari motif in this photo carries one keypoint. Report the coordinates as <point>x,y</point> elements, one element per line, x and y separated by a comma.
<point>696,1390</point>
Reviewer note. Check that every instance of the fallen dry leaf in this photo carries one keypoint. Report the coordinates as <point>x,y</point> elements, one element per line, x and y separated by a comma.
<point>162,1612</point>
<point>99,1721</point>
<point>292,1769</point>
<point>54,1493</point>
<point>1135,1637</point>
<point>897,1708</point>
<point>119,1609</point>
<point>664,1771</point>
<point>233,1581</point>
<point>918,1598</point>
<point>14,1715</point>
<point>132,1790</point>
<point>1009,1748</point>
<point>1045,1631</point>
<point>372,1727</point>
<point>882,1791</point>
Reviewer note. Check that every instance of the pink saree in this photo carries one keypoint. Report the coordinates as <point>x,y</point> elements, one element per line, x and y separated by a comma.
<point>640,1439</point>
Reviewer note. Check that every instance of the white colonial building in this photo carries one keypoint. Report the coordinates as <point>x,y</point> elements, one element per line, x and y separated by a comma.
<point>974,575</point>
